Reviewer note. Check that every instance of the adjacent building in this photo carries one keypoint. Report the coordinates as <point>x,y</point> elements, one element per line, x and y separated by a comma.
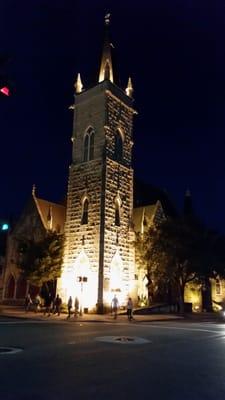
<point>38,217</point>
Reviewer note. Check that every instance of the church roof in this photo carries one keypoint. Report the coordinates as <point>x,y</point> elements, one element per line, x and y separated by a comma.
<point>56,212</point>
<point>144,213</point>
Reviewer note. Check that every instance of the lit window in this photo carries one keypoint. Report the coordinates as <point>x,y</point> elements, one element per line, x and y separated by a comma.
<point>84,218</point>
<point>118,147</point>
<point>89,145</point>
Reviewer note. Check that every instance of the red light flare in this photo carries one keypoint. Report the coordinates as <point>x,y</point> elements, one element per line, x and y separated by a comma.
<point>5,90</point>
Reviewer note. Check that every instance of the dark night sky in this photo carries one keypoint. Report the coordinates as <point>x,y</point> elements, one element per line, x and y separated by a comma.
<point>175,54</point>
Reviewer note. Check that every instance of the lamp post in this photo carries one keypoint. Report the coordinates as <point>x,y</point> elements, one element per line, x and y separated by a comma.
<point>81,279</point>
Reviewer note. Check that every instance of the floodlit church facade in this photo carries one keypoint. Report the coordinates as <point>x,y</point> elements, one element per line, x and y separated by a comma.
<point>99,221</point>
<point>99,257</point>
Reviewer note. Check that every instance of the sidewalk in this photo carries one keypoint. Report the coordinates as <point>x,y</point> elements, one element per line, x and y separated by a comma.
<point>18,312</point>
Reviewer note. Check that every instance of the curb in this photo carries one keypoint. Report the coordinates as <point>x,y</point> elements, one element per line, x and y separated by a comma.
<point>85,320</point>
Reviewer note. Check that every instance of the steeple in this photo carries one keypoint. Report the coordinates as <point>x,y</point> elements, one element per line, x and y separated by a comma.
<point>106,69</point>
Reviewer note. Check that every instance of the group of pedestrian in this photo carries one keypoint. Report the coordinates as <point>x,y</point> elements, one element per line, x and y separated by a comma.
<point>48,304</point>
<point>54,305</point>
<point>115,307</point>
<point>70,306</point>
<point>34,304</point>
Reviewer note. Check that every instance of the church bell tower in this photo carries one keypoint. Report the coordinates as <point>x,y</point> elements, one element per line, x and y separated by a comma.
<point>99,259</point>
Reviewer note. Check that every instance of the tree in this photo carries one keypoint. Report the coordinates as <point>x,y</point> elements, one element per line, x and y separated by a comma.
<point>178,251</point>
<point>40,262</point>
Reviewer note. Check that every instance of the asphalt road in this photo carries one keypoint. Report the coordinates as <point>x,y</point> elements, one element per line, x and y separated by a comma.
<point>63,360</point>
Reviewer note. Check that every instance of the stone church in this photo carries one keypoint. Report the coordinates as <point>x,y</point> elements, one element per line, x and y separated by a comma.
<point>100,220</point>
<point>99,257</point>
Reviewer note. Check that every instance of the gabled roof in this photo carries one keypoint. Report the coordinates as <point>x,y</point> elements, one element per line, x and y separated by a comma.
<point>56,213</point>
<point>146,215</point>
<point>140,213</point>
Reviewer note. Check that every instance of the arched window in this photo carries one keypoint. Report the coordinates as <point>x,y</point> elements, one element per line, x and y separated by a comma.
<point>117,212</point>
<point>91,151</point>
<point>118,147</point>
<point>84,218</point>
<point>88,145</point>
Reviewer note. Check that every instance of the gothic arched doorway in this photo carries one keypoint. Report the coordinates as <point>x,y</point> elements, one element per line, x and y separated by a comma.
<point>84,283</point>
<point>10,287</point>
<point>116,272</point>
<point>116,278</point>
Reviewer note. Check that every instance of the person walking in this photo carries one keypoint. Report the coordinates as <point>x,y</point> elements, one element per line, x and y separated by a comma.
<point>69,306</point>
<point>76,307</point>
<point>115,305</point>
<point>37,303</point>
<point>48,303</point>
<point>130,309</point>
<point>28,302</point>
<point>57,304</point>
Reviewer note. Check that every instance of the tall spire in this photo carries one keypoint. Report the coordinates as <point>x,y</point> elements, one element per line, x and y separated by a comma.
<point>106,69</point>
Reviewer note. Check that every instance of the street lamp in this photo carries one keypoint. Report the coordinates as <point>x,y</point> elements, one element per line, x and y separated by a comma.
<point>81,279</point>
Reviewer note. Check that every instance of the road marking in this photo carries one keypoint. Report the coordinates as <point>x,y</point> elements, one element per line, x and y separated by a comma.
<point>181,328</point>
<point>9,350</point>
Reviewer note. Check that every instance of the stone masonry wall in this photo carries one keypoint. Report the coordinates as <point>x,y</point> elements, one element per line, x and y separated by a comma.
<point>101,180</point>
<point>121,237</point>
<point>84,180</point>
<point>119,116</point>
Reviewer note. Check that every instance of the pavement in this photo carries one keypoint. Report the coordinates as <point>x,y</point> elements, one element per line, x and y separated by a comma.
<point>19,312</point>
<point>61,360</point>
